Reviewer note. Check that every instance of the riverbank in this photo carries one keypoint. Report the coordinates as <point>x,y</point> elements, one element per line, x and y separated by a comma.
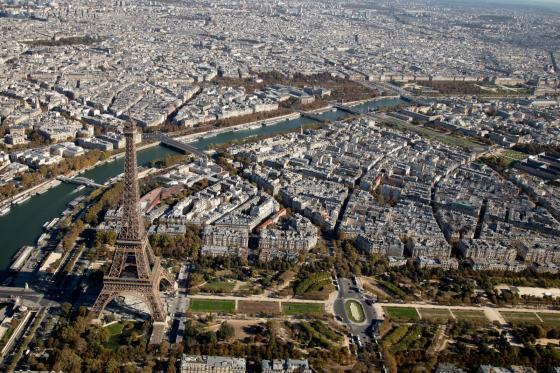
<point>275,120</point>
<point>23,195</point>
<point>47,184</point>
<point>24,223</point>
<point>44,186</point>
<point>267,122</point>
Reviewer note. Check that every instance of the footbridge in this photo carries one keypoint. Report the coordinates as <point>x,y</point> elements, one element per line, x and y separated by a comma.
<point>80,180</point>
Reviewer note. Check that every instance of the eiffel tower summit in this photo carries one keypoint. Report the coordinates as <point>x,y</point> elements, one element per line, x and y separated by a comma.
<point>135,270</point>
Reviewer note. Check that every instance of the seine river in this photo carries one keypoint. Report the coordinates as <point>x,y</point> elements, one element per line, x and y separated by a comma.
<point>24,223</point>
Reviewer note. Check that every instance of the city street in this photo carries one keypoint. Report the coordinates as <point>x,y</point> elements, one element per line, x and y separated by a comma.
<point>350,291</point>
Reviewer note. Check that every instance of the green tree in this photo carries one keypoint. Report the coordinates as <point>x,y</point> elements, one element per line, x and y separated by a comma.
<point>226,331</point>
<point>111,366</point>
<point>65,308</point>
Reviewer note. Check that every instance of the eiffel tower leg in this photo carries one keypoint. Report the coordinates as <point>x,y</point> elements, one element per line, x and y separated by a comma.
<point>102,300</point>
<point>156,306</point>
<point>168,280</point>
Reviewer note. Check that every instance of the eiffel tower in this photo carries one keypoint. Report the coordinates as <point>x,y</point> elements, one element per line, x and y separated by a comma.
<point>135,270</point>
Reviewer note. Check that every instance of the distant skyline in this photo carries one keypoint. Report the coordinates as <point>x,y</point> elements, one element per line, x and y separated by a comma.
<point>555,4</point>
<point>525,2</point>
<point>550,4</point>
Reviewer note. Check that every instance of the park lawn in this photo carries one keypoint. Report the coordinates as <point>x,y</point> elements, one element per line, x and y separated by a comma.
<point>432,134</point>
<point>510,156</point>
<point>223,273</point>
<point>470,315</point>
<point>412,340</point>
<point>212,305</point>
<point>392,288</point>
<point>402,313</point>
<point>291,308</point>
<point>396,334</point>
<point>217,286</point>
<point>9,333</point>
<point>550,319</point>
<point>355,311</point>
<point>520,317</point>
<point>435,314</point>
<point>317,286</point>
<point>115,328</point>
<point>115,331</point>
<point>514,155</point>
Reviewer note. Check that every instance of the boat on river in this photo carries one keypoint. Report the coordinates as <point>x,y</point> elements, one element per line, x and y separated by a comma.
<point>5,211</point>
<point>21,200</point>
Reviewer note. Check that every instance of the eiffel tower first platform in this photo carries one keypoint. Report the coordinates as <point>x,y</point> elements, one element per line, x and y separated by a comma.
<point>135,270</point>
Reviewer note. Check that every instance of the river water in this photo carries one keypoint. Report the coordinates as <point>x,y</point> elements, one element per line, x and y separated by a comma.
<point>24,223</point>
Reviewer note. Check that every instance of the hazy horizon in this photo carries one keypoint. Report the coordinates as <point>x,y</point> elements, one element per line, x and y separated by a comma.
<point>546,4</point>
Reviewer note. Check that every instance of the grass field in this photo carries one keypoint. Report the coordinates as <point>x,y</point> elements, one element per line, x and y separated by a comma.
<point>511,156</point>
<point>402,313</point>
<point>212,305</point>
<point>550,319</point>
<point>396,334</point>
<point>256,307</point>
<point>355,311</point>
<point>470,315</point>
<point>435,314</point>
<point>413,340</point>
<point>483,89</point>
<point>432,134</point>
<point>521,317</point>
<point>302,308</point>
<point>392,288</point>
<point>115,331</point>
<point>218,286</point>
<point>317,286</point>
<point>115,328</point>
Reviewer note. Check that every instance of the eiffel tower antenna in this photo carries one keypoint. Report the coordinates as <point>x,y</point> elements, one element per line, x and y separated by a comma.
<point>135,270</point>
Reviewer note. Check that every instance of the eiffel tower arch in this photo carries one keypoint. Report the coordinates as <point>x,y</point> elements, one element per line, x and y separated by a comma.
<point>135,270</point>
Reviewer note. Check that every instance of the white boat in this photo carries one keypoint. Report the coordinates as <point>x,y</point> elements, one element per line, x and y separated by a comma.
<point>5,211</point>
<point>49,224</point>
<point>42,239</point>
<point>21,200</point>
<point>21,257</point>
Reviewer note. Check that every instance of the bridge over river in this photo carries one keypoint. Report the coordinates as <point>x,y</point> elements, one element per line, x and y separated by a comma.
<point>80,180</point>
<point>181,146</point>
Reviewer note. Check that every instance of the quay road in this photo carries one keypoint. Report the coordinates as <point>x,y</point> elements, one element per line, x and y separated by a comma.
<point>10,293</point>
